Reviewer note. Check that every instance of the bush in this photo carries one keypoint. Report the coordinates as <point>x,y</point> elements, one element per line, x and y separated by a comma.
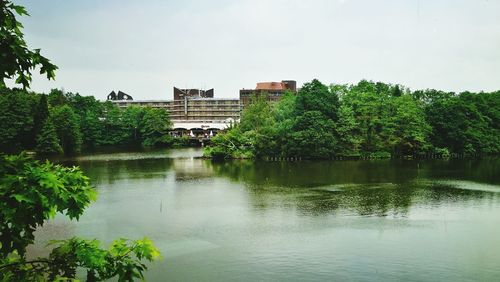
<point>443,152</point>
<point>231,145</point>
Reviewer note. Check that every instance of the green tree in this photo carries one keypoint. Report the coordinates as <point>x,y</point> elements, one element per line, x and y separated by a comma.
<point>258,124</point>
<point>115,132</point>
<point>155,126</point>
<point>284,117</point>
<point>16,119</point>
<point>133,120</point>
<point>368,118</point>
<point>47,141</point>
<point>466,124</point>
<point>369,103</point>
<point>257,114</point>
<point>89,111</point>
<point>17,61</point>
<point>56,98</point>
<point>67,127</point>
<point>231,145</point>
<point>312,137</point>
<point>406,130</point>
<point>91,128</point>
<point>397,91</point>
<point>315,96</point>
<point>41,114</point>
<point>347,131</point>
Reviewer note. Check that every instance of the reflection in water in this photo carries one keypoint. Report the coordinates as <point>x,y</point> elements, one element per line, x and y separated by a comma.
<point>324,220</point>
<point>378,188</point>
<point>363,187</point>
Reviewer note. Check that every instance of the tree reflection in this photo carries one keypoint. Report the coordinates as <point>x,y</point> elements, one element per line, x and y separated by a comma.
<point>364,188</point>
<point>110,171</point>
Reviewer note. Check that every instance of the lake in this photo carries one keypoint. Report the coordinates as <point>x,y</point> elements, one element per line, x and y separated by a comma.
<point>379,220</point>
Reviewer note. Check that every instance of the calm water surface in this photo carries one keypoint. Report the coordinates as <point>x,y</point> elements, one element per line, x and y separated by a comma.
<point>296,221</point>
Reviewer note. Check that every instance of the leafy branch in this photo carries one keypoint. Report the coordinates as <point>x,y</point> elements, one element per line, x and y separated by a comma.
<point>16,60</point>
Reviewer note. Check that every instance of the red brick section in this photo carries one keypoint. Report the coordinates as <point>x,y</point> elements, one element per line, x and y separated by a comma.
<point>270,86</point>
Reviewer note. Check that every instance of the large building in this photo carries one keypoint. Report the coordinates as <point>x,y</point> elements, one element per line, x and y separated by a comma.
<point>273,90</point>
<point>193,109</point>
<point>197,108</point>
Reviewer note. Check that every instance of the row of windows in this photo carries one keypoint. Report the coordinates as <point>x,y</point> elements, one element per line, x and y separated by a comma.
<point>181,103</point>
<point>207,114</point>
<point>248,94</point>
<point>214,109</point>
<point>212,114</point>
<point>214,104</point>
<point>207,118</point>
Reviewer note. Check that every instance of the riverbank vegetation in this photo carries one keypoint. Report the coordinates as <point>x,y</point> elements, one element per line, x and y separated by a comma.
<point>365,120</point>
<point>68,122</point>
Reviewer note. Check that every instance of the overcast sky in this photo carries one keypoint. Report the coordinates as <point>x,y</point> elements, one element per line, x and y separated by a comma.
<point>144,48</point>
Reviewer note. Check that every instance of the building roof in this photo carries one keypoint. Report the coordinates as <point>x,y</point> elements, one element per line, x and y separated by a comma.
<point>270,86</point>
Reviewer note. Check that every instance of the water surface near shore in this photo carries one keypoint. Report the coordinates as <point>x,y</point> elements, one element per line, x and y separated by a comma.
<point>384,220</point>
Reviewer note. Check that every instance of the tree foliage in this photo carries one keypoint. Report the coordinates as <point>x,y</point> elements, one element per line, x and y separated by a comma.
<point>155,126</point>
<point>67,128</point>
<point>347,131</point>
<point>17,61</point>
<point>123,259</point>
<point>47,142</point>
<point>16,119</point>
<point>32,192</point>
<point>367,119</point>
<point>312,136</point>
<point>232,145</point>
<point>81,122</point>
<point>315,96</point>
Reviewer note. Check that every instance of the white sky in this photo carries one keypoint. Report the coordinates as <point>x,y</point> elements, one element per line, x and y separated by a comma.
<point>144,48</point>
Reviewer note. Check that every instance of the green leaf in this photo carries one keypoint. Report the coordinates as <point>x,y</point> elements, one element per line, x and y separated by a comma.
<point>20,10</point>
<point>23,198</point>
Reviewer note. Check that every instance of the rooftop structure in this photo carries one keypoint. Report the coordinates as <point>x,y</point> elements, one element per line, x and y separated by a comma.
<point>180,94</point>
<point>120,96</point>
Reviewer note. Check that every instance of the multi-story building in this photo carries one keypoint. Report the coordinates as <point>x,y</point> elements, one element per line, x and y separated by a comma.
<point>197,109</point>
<point>193,109</point>
<point>273,90</point>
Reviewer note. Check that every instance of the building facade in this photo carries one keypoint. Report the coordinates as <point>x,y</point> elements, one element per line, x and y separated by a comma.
<point>198,109</point>
<point>194,111</point>
<point>273,90</point>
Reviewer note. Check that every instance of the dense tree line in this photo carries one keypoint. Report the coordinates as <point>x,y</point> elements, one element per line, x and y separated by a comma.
<point>368,119</point>
<point>68,122</point>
